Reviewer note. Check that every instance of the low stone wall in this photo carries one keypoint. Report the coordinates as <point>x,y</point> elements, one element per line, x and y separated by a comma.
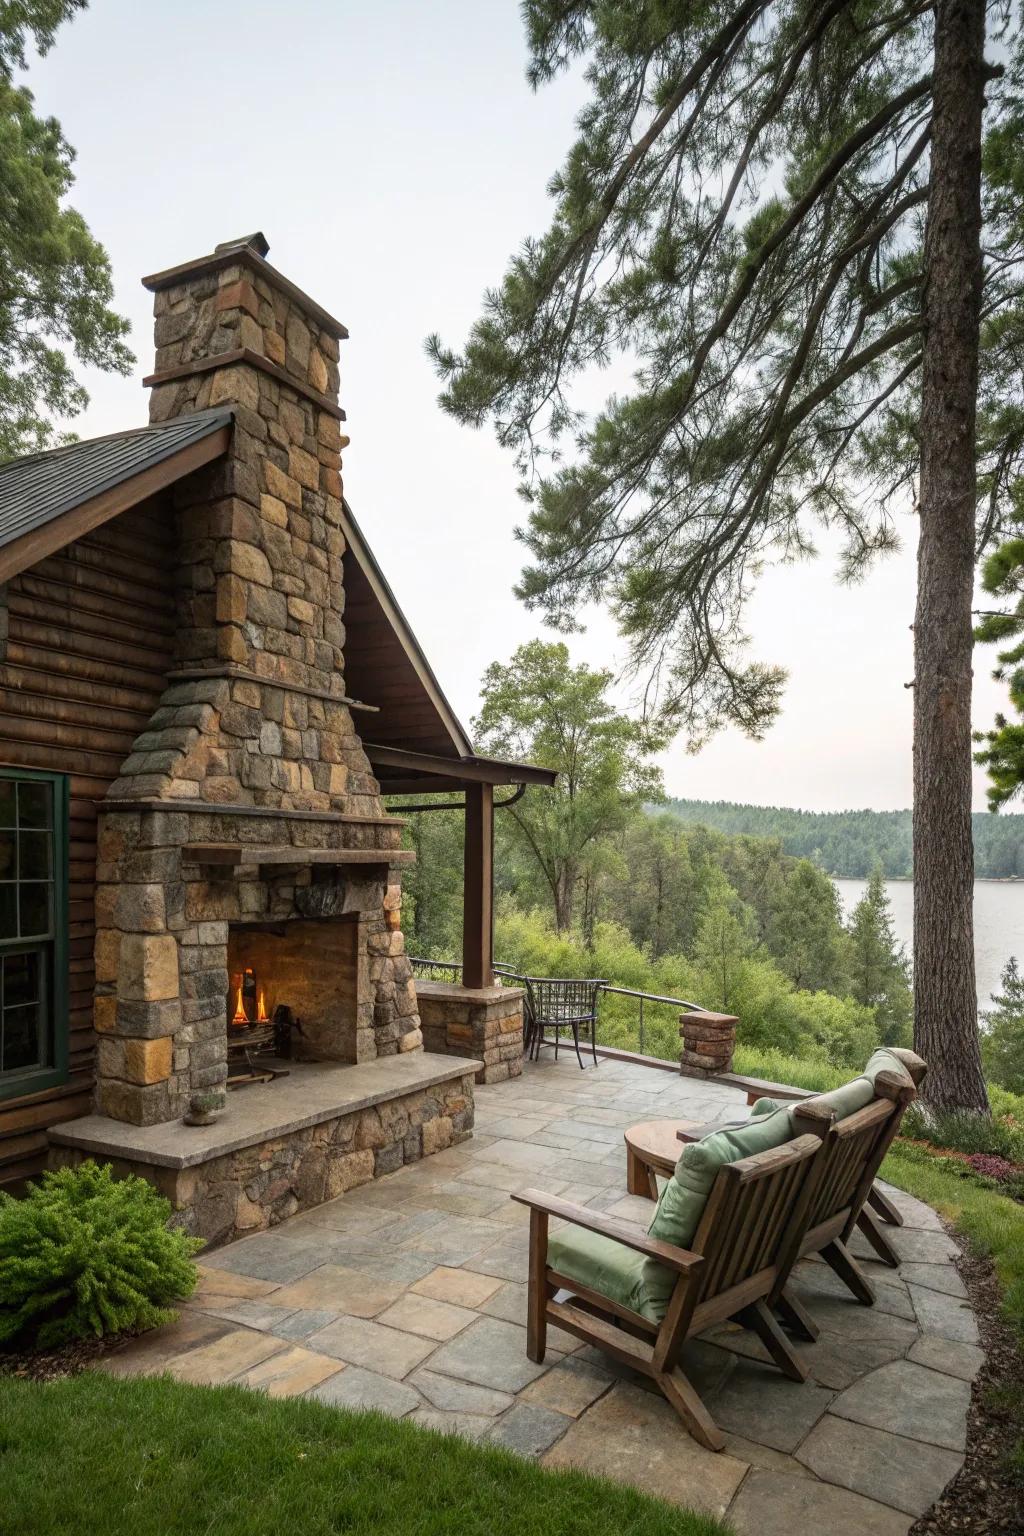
<point>483,1022</point>
<point>254,1187</point>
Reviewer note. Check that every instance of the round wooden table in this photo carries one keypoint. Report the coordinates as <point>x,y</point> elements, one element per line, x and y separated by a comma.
<point>652,1147</point>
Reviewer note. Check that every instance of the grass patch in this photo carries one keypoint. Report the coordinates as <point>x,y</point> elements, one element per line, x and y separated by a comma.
<point>104,1456</point>
<point>817,1076</point>
<point>992,1224</point>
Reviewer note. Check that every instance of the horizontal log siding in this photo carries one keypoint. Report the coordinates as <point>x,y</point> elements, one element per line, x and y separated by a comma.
<point>90,640</point>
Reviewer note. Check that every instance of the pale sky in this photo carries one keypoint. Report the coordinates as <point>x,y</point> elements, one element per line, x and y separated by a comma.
<point>394,156</point>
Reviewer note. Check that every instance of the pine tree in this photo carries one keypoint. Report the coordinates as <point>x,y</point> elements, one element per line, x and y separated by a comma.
<point>879,970</point>
<point>773,211</point>
<point>1002,1044</point>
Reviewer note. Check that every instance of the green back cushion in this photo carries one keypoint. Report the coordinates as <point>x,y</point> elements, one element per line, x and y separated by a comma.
<point>683,1198</point>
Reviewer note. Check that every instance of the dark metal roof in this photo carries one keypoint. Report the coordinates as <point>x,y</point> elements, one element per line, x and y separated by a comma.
<point>37,489</point>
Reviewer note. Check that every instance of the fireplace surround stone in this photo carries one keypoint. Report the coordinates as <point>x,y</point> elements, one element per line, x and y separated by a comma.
<point>289,1145</point>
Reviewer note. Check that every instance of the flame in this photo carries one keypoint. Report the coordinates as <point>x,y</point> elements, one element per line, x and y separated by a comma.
<point>240,1015</point>
<point>262,1017</point>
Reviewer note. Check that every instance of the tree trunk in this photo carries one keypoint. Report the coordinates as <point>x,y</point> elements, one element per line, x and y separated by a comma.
<point>565,894</point>
<point>946,1005</point>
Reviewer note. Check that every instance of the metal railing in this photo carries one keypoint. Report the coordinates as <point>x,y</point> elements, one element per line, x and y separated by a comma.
<point>451,970</point>
<point>651,997</point>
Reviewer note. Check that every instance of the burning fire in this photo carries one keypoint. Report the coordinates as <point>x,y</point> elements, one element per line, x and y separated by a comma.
<point>240,1018</point>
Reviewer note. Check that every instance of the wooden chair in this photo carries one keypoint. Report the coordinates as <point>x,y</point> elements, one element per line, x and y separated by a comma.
<point>557,1004</point>
<point>746,1242</point>
<point>758,1088</point>
<point>853,1152</point>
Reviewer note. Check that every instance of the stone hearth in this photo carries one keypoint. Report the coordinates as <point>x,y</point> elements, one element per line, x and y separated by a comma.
<point>287,1145</point>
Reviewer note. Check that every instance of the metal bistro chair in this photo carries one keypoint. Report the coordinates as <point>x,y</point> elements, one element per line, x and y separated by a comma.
<point>557,1005</point>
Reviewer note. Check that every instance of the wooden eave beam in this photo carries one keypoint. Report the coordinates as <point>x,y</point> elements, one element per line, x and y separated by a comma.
<point>473,770</point>
<point>38,543</point>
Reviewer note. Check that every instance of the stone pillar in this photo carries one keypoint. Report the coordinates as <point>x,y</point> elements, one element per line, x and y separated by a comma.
<point>481,1022</point>
<point>709,1040</point>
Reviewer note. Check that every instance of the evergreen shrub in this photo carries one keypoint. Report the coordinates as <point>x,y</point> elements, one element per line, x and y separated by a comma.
<point>84,1253</point>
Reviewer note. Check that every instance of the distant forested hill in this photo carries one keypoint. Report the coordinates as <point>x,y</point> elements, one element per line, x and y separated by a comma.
<point>848,843</point>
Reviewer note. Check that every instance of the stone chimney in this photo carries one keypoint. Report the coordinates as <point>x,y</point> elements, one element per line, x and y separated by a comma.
<point>255,744</point>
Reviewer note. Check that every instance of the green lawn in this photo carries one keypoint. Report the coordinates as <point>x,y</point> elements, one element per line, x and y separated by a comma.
<point>102,1456</point>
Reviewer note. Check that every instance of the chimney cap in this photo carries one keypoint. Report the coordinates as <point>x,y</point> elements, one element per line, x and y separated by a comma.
<point>247,252</point>
<point>257,242</point>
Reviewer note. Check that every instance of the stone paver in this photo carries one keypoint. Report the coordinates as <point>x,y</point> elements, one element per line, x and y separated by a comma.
<point>469,1425</point>
<point>454,1396</point>
<point>772,1504</point>
<point>491,1353</point>
<point>290,1372</point>
<point>359,1342</point>
<point>910,1400</point>
<point>459,1286</point>
<point>945,1315</point>
<point>335,1288</point>
<point>761,1404</point>
<point>408,1296</point>
<point>886,1467</point>
<point>427,1317</point>
<point>356,1388</point>
<point>224,1358</point>
<point>936,1277</point>
<point>963,1360</point>
<point>529,1429</point>
<point>569,1387</point>
<point>634,1437</point>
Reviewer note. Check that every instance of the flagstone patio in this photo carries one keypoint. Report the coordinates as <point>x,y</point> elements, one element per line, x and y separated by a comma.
<point>408,1295</point>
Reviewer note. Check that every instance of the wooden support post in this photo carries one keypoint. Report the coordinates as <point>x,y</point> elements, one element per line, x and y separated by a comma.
<point>478,888</point>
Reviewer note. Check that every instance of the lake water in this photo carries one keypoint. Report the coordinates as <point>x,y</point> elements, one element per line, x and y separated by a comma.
<point>998,923</point>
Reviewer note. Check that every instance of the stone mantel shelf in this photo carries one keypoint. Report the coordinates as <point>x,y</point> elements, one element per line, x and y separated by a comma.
<point>313,1092</point>
<point>245,856</point>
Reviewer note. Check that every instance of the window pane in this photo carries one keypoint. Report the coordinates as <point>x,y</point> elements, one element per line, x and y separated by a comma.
<point>34,910</point>
<point>22,1038</point>
<point>8,855</point>
<point>8,791</point>
<point>34,804</point>
<point>21,979</point>
<point>8,911</point>
<point>34,856</point>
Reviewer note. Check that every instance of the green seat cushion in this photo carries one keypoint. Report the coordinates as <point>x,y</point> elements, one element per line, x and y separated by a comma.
<point>611,1269</point>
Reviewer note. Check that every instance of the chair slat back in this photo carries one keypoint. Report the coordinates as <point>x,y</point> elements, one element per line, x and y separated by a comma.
<point>751,1213</point>
<point>854,1148</point>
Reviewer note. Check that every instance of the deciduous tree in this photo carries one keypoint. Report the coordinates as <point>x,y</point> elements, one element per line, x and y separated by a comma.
<point>55,282</point>
<point>540,708</point>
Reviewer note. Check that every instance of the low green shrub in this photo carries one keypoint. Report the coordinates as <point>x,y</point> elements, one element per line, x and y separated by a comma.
<point>963,1130</point>
<point>84,1253</point>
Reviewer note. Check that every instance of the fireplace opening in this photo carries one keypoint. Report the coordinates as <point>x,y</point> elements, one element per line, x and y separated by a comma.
<point>293,992</point>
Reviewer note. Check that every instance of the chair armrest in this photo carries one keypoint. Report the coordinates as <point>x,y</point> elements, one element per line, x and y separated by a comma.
<point>680,1259</point>
<point>693,1130</point>
<point>762,1088</point>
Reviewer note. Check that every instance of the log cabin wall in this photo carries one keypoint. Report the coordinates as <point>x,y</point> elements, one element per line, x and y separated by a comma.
<point>89,639</point>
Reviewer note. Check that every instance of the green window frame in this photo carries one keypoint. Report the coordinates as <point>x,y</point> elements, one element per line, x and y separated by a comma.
<point>33,931</point>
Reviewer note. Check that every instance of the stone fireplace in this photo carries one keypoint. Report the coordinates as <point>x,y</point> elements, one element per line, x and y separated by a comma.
<point>246,831</point>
